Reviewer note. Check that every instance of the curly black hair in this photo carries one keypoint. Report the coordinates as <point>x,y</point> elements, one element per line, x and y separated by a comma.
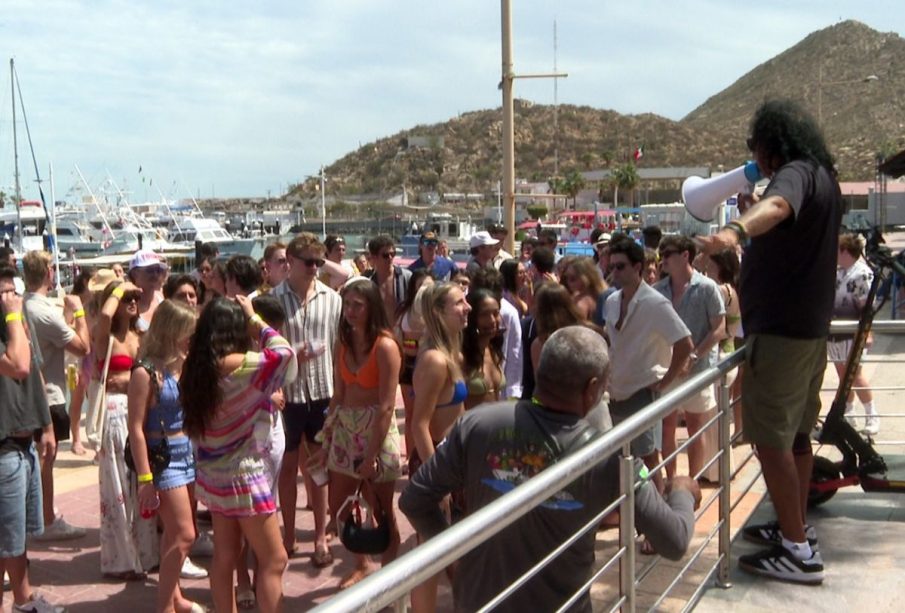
<point>784,131</point>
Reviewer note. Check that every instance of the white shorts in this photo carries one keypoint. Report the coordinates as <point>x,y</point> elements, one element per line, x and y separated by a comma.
<point>838,351</point>
<point>700,402</point>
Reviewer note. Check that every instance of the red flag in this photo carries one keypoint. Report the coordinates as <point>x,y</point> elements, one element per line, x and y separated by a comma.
<point>639,152</point>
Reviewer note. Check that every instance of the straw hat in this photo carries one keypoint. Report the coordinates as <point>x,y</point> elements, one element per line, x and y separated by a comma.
<point>101,279</point>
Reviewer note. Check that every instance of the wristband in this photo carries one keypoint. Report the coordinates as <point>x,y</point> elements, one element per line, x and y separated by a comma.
<point>119,292</point>
<point>739,229</point>
<point>146,478</point>
<point>10,317</point>
<point>256,319</point>
<point>79,313</point>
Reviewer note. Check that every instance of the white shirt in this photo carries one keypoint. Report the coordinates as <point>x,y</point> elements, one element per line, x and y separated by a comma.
<point>512,349</point>
<point>640,352</point>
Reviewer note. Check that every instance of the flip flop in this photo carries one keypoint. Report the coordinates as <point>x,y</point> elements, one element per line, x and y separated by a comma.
<point>245,599</point>
<point>322,558</point>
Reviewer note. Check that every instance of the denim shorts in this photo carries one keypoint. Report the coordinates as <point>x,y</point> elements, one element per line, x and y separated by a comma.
<point>20,500</point>
<point>181,469</point>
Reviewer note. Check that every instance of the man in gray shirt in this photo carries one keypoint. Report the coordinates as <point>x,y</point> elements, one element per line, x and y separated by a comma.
<point>55,338</point>
<point>699,304</point>
<point>490,451</point>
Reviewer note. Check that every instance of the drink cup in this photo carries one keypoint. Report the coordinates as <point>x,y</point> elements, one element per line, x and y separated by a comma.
<point>317,471</point>
<point>149,511</point>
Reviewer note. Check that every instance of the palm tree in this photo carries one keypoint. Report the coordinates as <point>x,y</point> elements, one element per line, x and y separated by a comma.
<point>625,177</point>
<point>573,184</point>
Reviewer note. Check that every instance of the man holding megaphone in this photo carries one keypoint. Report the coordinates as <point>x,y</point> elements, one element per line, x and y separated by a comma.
<point>790,236</point>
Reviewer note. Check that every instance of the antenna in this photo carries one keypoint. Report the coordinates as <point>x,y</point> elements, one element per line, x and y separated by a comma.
<point>555,107</point>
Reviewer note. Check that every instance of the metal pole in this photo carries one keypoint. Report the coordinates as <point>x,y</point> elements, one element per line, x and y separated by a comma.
<point>323,206</point>
<point>723,402</point>
<point>627,530</point>
<point>53,232</point>
<point>507,78</point>
<point>12,85</point>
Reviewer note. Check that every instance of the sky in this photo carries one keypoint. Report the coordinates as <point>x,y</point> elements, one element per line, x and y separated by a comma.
<point>228,99</point>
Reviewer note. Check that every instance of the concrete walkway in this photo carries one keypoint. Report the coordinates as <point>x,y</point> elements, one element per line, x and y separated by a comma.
<point>862,535</point>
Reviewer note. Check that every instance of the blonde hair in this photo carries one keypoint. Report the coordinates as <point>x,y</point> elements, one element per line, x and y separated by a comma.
<point>172,322</point>
<point>35,265</point>
<point>437,334</point>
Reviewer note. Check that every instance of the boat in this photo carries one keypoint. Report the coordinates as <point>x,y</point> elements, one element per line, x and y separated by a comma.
<point>452,229</point>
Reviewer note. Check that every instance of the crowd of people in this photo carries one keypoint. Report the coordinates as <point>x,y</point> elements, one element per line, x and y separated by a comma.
<point>222,386</point>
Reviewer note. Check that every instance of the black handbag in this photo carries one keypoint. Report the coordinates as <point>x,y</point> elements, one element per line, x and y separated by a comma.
<point>159,452</point>
<point>359,537</point>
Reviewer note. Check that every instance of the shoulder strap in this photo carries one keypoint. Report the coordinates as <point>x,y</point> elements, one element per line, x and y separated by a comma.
<point>584,436</point>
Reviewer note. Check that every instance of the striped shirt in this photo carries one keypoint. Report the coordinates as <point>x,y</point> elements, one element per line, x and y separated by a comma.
<point>318,318</point>
<point>231,476</point>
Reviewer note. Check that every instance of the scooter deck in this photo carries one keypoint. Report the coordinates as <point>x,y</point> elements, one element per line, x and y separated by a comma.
<point>892,481</point>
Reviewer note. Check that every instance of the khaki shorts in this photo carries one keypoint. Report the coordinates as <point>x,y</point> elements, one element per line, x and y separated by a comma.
<point>781,388</point>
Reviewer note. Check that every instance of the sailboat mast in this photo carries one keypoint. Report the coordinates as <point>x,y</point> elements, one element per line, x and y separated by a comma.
<point>12,86</point>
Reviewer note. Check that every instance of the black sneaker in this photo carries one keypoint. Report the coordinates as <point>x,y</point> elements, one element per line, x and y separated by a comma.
<point>779,563</point>
<point>769,534</point>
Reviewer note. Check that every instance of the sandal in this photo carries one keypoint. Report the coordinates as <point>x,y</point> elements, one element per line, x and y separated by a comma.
<point>245,599</point>
<point>322,558</point>
<point>647,549</point>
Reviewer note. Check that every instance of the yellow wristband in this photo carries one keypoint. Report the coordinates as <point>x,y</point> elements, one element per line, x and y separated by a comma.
<point>257,319</point>
<point>79,313</point>
<point>146,478</point>
<point>118,292</point>
<point>17,316</point>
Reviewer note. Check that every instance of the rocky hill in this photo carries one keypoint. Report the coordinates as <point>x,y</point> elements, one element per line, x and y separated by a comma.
<point>847,75</point>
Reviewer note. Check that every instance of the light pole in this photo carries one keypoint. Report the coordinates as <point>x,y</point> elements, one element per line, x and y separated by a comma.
<point>821,84</point>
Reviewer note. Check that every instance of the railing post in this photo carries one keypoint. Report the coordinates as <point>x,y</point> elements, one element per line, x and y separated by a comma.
<point>725,409</point>
<point>627,530</point>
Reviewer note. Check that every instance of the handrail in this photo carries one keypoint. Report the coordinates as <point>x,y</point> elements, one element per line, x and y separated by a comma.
<point>400,576</point>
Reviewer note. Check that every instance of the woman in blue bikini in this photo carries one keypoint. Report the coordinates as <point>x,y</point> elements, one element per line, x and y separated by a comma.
<point>439,389</point>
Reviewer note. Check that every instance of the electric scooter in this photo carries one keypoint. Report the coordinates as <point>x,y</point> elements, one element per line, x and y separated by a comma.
<point>860,463</point>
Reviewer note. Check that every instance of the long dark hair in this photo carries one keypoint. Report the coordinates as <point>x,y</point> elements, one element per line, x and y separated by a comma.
<point>727,265</point>
<point>509,272</point>
<point>221,330</point>
<point>784,130</point>
<point>378,322</point>
<point>415,281</point>
<point>472,355</point>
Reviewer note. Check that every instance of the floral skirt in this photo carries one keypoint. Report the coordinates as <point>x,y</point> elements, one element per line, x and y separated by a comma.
<point>351,429</point>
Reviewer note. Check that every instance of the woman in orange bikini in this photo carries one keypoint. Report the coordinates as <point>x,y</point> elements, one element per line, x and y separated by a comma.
<point>360,434</point>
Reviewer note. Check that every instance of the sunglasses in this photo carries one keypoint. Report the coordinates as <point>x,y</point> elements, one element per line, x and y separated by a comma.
<point>130,297</point>
<point>389,255</point>
<point>619,266</point>
<point>429,243</point>
<point>312,261</point>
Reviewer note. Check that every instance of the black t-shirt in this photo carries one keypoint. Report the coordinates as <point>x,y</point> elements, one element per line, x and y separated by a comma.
<point>788,275</point>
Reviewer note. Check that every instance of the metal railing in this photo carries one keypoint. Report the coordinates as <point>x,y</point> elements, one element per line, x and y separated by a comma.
<point>395,580</point>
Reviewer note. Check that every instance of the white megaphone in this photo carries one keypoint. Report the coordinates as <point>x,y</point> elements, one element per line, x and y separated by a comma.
<point>703,197</point>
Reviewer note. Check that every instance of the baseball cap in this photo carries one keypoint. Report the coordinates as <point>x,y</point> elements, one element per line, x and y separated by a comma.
<point>603,239</point>
<point>480,239</point>
<point>145,258</point>
<point>428,236</point>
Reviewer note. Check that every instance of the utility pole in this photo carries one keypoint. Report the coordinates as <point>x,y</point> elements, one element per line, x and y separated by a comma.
<point>12,85</point>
